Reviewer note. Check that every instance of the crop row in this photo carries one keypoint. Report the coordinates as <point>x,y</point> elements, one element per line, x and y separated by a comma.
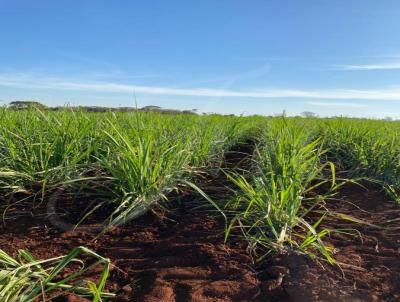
<point>131,162</point>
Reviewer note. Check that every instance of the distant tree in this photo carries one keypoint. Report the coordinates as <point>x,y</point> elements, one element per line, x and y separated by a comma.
<point>308,114</point>
<point>151,108</point>
<point>388,119</point>
<point>26,105</point>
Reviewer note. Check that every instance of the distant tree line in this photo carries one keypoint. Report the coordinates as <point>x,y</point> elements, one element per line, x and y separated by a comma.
<point>19,105</point>
<point>23,105</point>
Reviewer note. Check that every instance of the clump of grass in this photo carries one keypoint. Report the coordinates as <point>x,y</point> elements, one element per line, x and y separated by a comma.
<point>144,167</point>
<point>38,149</point>
<point>26,279</point>
<point>146,157</point>
<point>272,201</point>
<point>367,149</point>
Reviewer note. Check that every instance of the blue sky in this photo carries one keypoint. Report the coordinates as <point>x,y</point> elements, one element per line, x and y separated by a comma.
<point>259,56</point>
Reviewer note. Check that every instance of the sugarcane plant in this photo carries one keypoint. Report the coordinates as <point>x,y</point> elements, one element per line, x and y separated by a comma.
<point>26,279</point>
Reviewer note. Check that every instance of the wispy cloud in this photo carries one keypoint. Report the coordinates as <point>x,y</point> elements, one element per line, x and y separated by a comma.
<point>34,82</point>
<point>383,66</point>
<point>337,105</point>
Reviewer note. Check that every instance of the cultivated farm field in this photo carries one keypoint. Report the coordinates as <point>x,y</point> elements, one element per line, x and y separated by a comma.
<point>142,206</point>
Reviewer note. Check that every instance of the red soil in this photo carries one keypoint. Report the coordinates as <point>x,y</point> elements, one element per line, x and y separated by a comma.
<point>183,258</point>
<point>369,259</point>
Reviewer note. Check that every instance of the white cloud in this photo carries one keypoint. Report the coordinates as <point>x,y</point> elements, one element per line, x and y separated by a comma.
<point>337,105</point>
<point>25,81</point>
<point>385,66</point>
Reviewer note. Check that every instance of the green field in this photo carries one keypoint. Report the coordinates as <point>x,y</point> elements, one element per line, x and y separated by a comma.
<point>127,164</point>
